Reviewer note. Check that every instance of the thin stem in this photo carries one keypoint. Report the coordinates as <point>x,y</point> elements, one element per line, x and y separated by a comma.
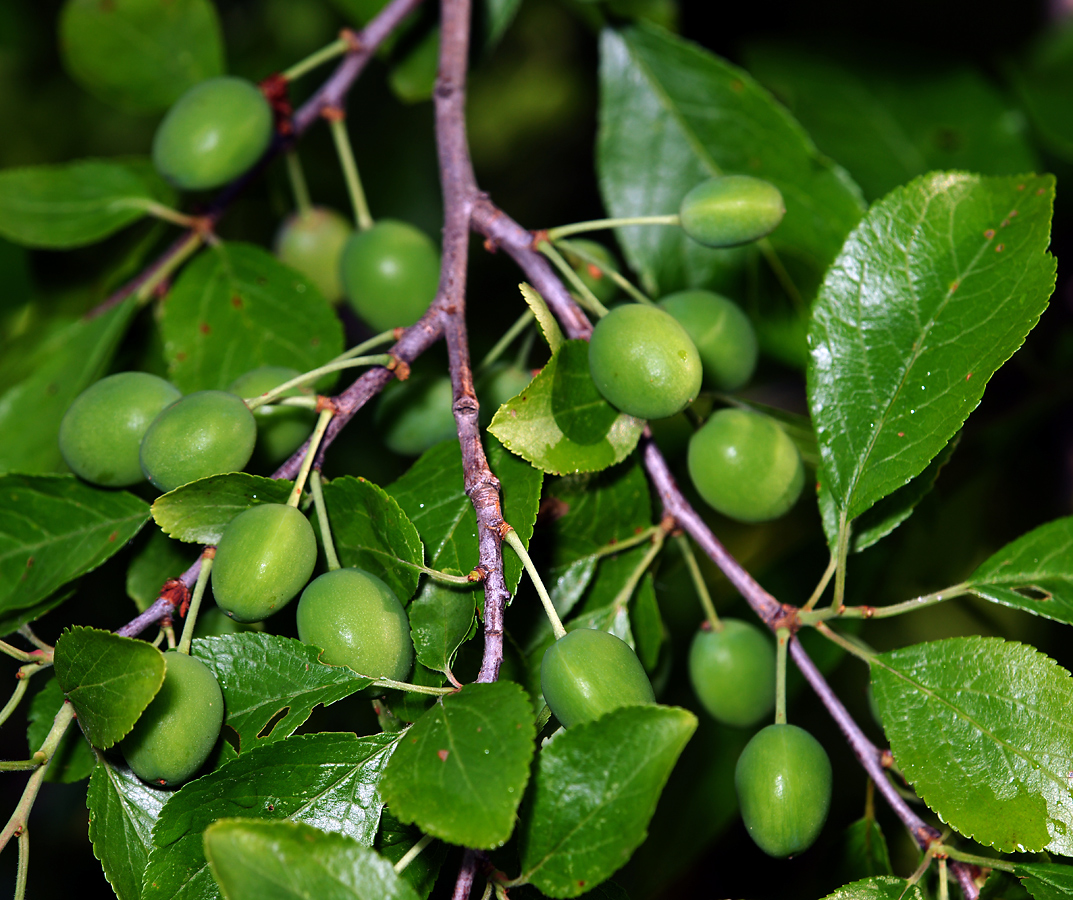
<point>843,642</point>
<point>616,276</point>
<point>586,297</point>
<point>321,56</point>
<point>781,275</point>
<point>515,542</point>
<point>622,598</point>
<point>182,253</point>
<point>27,632</point>
<point>297,178</point>
<point>20,655</point>
<point>411,688</point>
<point>412,853</point>
<point>167,214</point>
<point>782,639</point>
<point>384,337</point>
<point>21,684</point>
<point>350,172</point>
<point>311,452</point>
<point>562,231</point>
<point>24,864</point>
<point>698,582</point>
<point>944,886</point>
<point>613,547</point>
<point>842,554</point>
<point>195,601</point>
<point>825,579</point>
<point>322,517</point>
<point>523,321</point>
<point>488,890</point>
<point>885,612</point>
<point>985,862</point>
<point>20,765</point>
<point>337,365</point>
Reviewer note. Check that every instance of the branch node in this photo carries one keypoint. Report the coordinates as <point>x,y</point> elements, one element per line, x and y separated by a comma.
<point>540,236</point>
<point>175,592</point>
<point>326,403</point>
<point>333,113</point>
<point>400,367</point>
<point>274,87</point>
<point>478,574</point>
<point>787,619</point>
<point>353,40</point>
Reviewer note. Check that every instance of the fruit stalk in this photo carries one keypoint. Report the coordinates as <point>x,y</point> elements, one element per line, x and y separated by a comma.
<point>345,152</point>
<point>195,601</point>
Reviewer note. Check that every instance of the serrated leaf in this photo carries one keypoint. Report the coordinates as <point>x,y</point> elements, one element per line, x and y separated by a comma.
<point>440,620</point>
<point>141,55</point>
<point>236,308</point>
<point>561,424</point>
<point>594,792</point>
<point>157,559</point>
<point>329,781</point>
<point>372,532</point>
<point>883,887</point>
<point>63,366</point>
<point>460,771</point>
<point>672,115</point>
<point>549,325</point>
<point>1007,701</point>
<point>108,679</point>
<point>268,679</point>
<point>73,759</point>
<point>122,813</point>
<point>54,528</point>
<point>1033,573</point>
<point>254,860</point>
<point>76,203</point>
<point>1046,881</point>
<point>198,512</point>
<point>945,276</point>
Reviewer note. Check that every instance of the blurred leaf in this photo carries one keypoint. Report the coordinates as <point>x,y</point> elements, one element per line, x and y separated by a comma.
<point>108,679</point>
<point>1008,702</point>
<point>396,840</point>
<point>1043,80</point>
<point>1033,573</point>
<point>198,512</point>
<point>441,618</point>
<point>154,562</point>
<point>61,367</point>
<point>236,308</point>
<point>414,77</point>
<point>646,623</point>
<point>498,16</point>
<point>864,851</point>
<point>141,55</point>
<point>54,528</point>
<point>946,276</point>
<point>888,121</point>
<point>76,203</point>
<point>561,424</point>
<point>460,771</point>
<point>271,680</point>
<point>373,533</point>
<point>1047,881</point>
<point>122,813</point>
<point>73,759</point>
<point>673,115</point>
<point>884,887</point>
<point>594,792</point>
<point>254,860</point>
<point>329,781</point>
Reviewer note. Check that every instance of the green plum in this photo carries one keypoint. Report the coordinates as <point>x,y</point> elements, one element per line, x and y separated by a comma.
<point>263,559</point>
<point>280,429</point>
<point>101,432</point>
<point>588,673</point>
<point>732,670</point>
<point>643,362</point>
<point>745,466</point>
<point>312,242</point>
<point>175,734</point>
<point>205,433</point>
<point>783,782</point>
<point>731,209</point>
<point>722,333</point>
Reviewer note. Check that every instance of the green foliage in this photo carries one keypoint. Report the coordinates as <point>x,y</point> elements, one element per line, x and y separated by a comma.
<point>199,512</point>
<point>74,760</point>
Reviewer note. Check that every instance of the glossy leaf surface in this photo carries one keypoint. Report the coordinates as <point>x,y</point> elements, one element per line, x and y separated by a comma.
<point>441,618</point>
<point>883,887</point>
<point>198,512</point>
<point>1047,881</point>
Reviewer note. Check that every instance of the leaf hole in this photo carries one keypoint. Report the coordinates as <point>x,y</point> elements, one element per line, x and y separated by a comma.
<point>1034,592</point>
<point>271,723</point>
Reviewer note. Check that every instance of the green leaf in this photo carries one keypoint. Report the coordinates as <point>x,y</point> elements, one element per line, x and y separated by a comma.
<point>460,771</point>
<point>372,532</point>
<point>646,623</point>
<point>440,620</point>
<point>197,513</point>
<point>77,203</point>
<point>1034,573</point>
<point>549,325</point>
<point>1047,881</point>
<point>888,122</point>
<point>883,887</point>
<point>267,679</point>
<point>236,308</point>
<point>325,780</point>
<point>593,794</point>
<point>864,851</point>
<point>54,528</point>
<point>141,55</point>
<point>63,366</point>
<point>122,813</point>
<point>396,840</point>
<point>108,679</point>
<point>1009,703</point>
<point>154,562</point>
<point>73,759</point>
<point>945,277</point>
<point>253,860</point>
<point>561,424</point>
<point>498,16</point>
<point>672,115</point>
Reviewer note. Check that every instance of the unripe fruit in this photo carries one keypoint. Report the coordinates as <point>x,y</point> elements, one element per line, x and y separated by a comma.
<point>174,736</point>
<point>414,415</point>
<point>733,672</point>
<point>312,242</point>
<point>588,673</point>
<point>205,433</point>
<point>102,431</point>
<point>731,210</point>
<point>358,622</point>
<point>643,362</point>
<point>212,134</point>
<point>264,558</point>
<point>745,466</point>
<point>592,276</point>
<point>783,781</point>
<point>722,333</point>
<point>280,429</point>
<point>390,273</point>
